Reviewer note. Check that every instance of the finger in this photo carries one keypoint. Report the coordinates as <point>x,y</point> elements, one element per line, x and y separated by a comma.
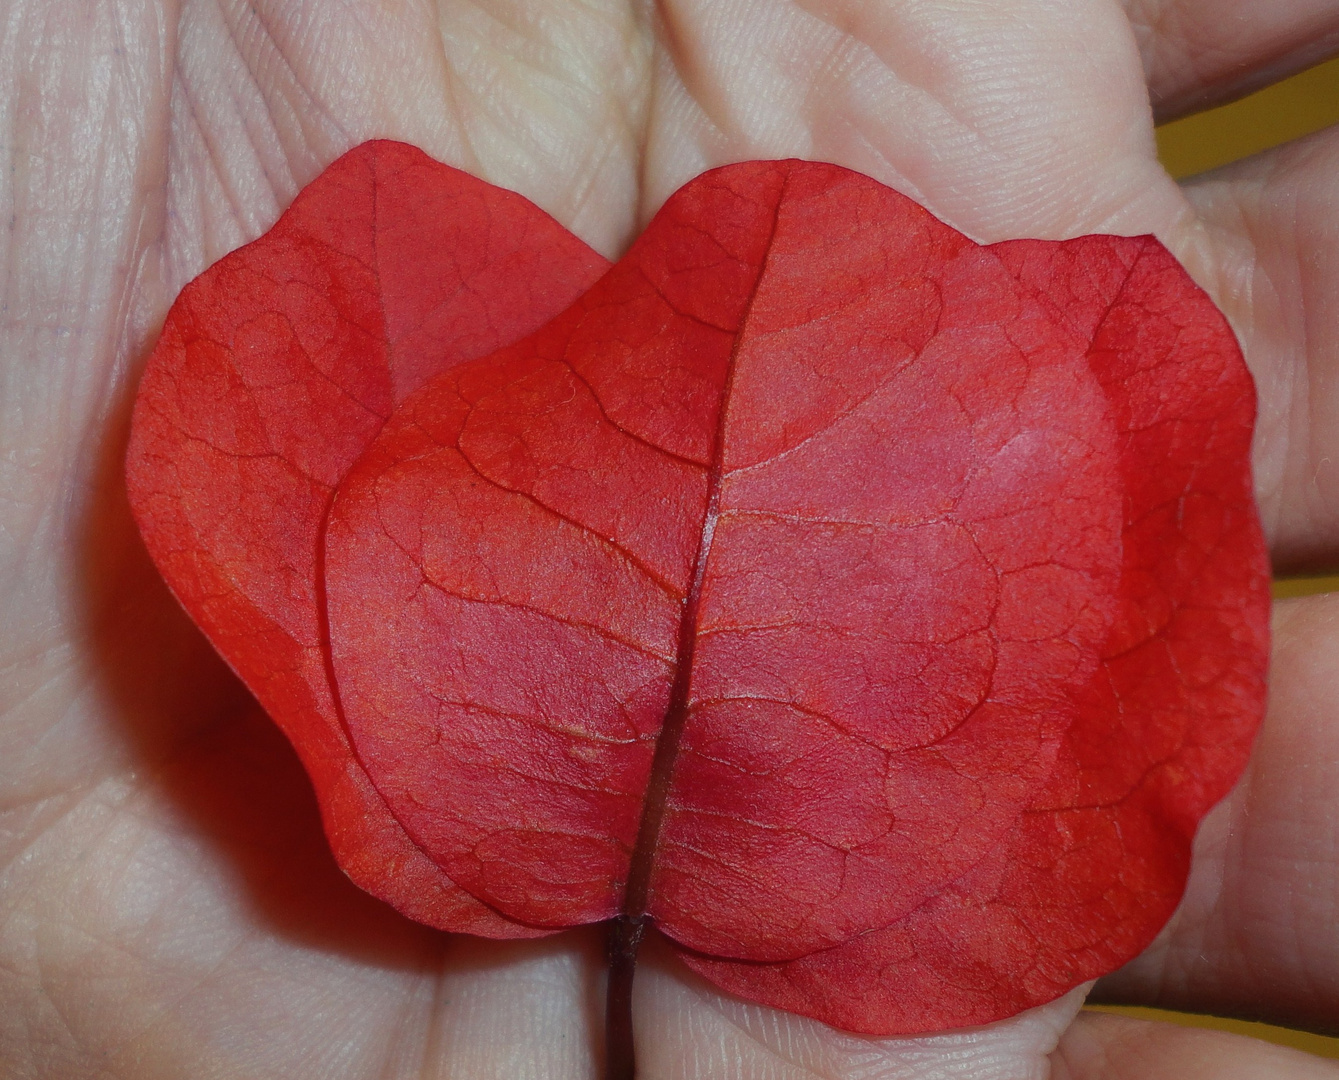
<point>1027,118</point>
<point>544,97</point>
<point>1100,1046</point>
<point>1268,246</point>
<point>1198,53</point>
<point>516,1010</point>
<point>1255,933</point>
<point>689,1031</point>
<point>82,88</point>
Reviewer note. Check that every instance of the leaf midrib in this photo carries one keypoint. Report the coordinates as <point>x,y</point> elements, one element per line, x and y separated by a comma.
<point>637,894</point>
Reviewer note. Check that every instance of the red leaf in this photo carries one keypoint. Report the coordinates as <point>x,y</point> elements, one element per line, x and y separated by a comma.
<point>275,369</point>
<point>877,612</point>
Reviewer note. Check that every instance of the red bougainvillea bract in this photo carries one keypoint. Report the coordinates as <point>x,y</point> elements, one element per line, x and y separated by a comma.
<point>873,612</point>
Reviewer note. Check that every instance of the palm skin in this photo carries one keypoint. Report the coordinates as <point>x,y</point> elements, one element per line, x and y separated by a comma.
<point>167,904</point>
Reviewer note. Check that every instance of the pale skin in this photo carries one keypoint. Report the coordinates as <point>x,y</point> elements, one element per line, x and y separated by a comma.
<point>167,905</point>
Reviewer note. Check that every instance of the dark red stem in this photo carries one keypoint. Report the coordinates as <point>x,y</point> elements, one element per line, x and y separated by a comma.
<point>625,936</point>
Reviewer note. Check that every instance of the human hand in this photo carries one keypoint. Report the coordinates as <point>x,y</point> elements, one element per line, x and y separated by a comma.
<point>167,904</point>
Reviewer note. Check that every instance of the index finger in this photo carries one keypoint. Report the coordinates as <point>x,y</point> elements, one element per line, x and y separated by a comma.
<point>1198,53</point>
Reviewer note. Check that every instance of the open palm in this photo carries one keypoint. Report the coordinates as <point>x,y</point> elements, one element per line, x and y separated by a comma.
<point>167,904</point>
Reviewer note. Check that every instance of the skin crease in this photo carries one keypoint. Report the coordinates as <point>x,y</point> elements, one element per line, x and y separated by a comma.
<point>167,905</point>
